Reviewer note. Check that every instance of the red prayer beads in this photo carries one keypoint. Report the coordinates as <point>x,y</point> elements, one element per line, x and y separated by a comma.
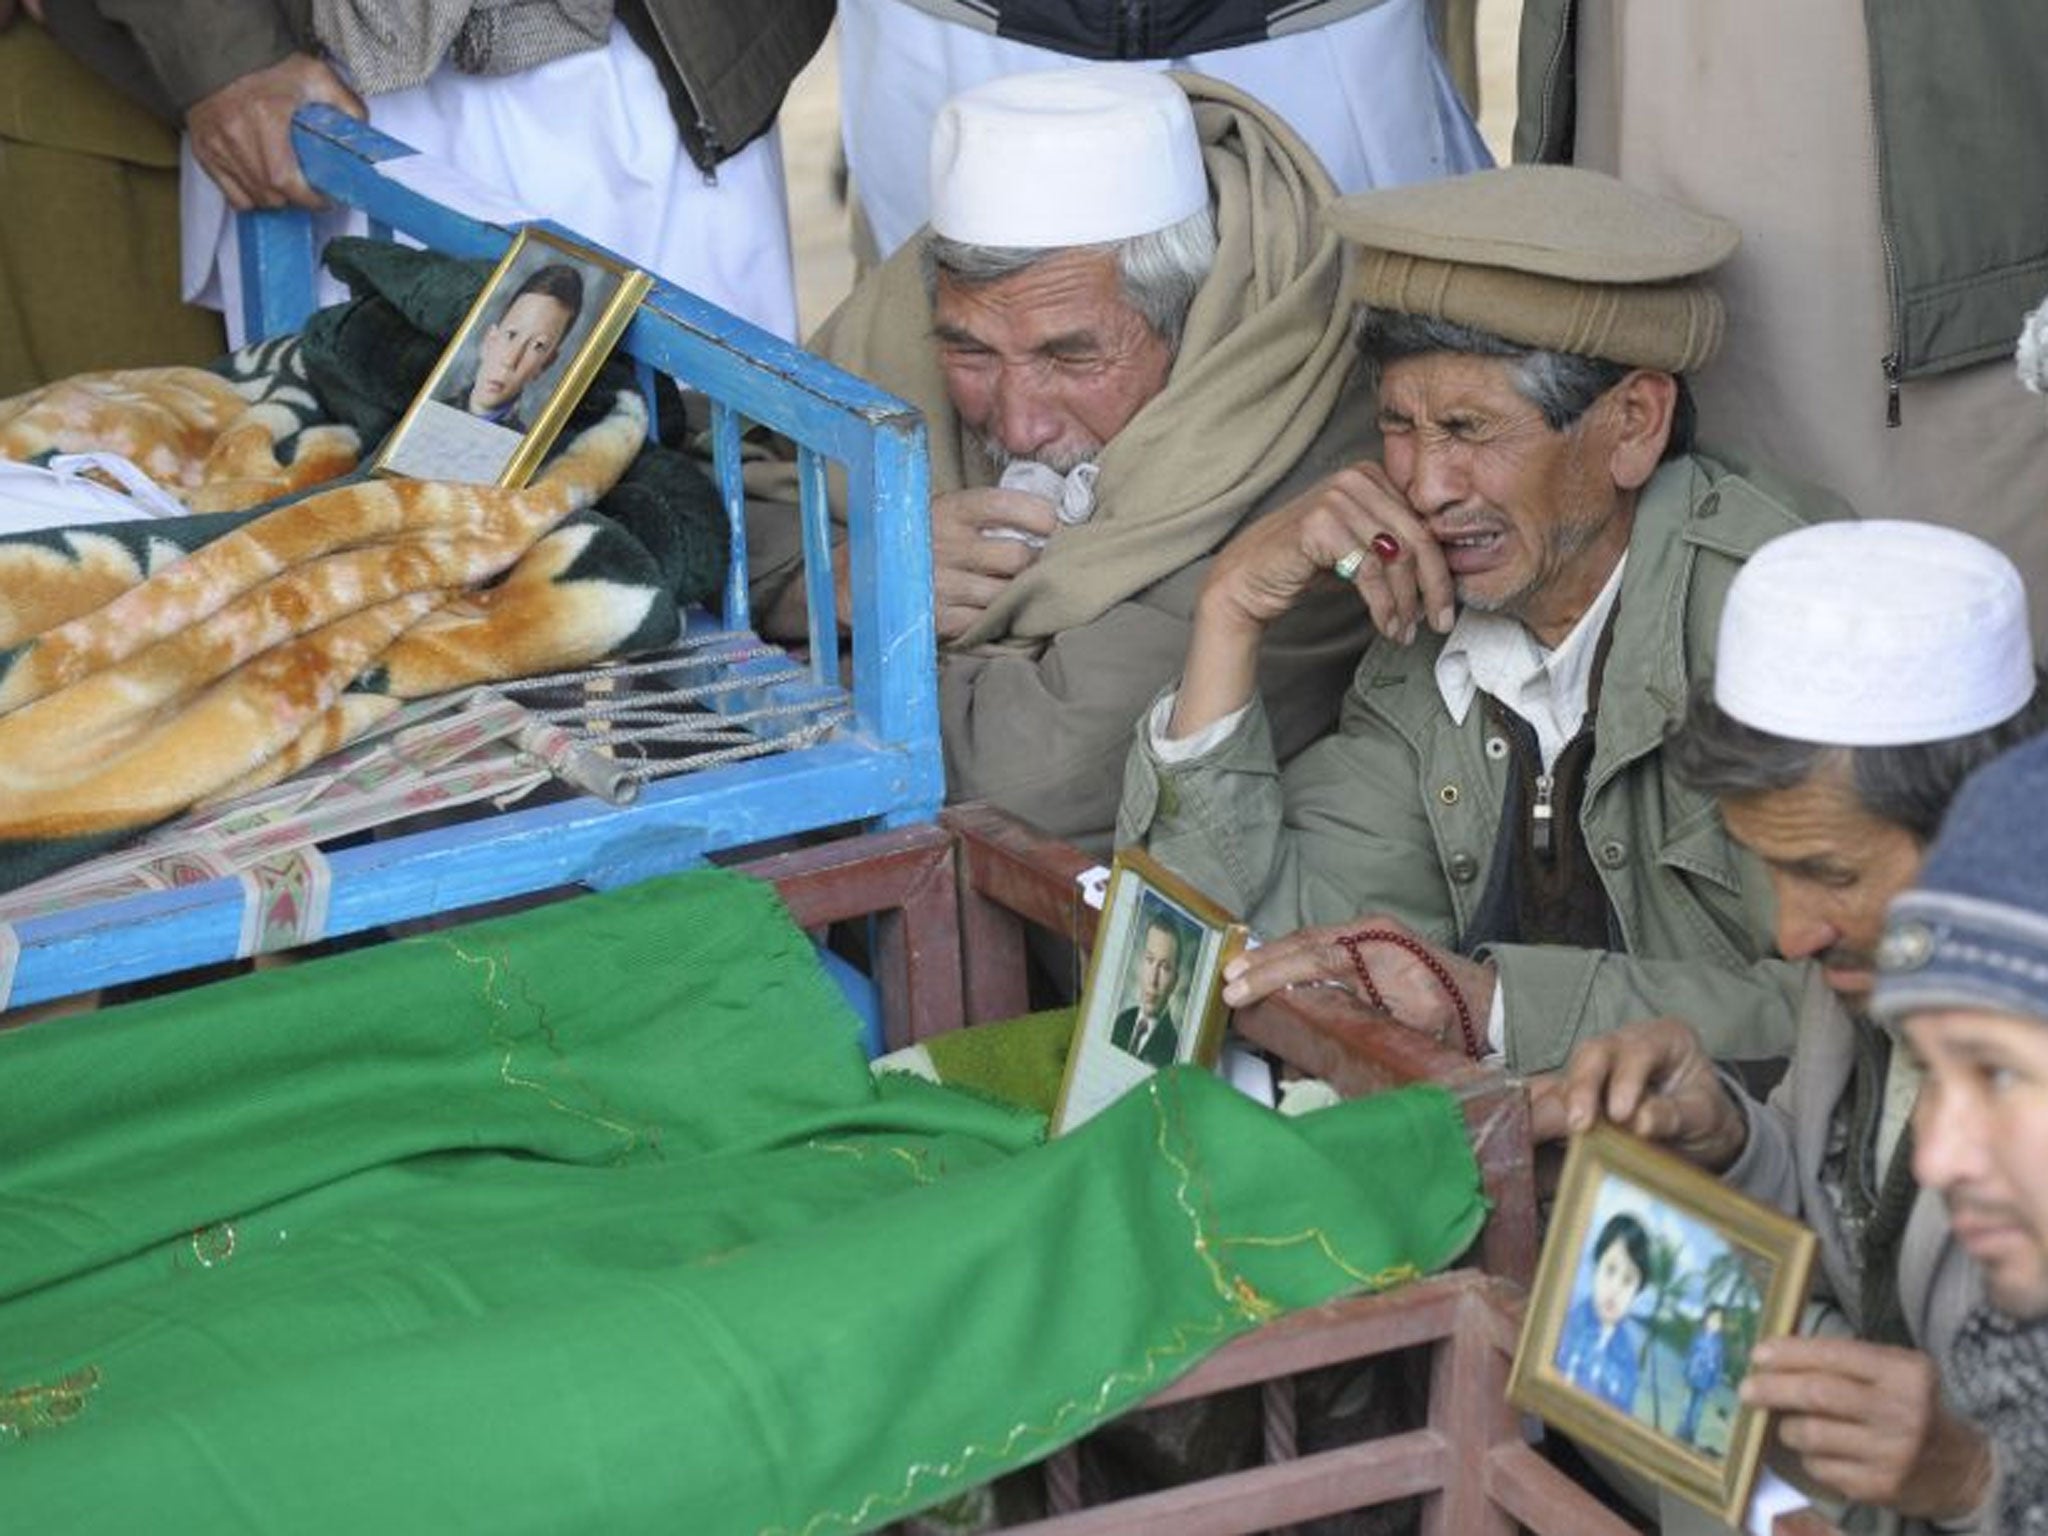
<point>1352,942</point>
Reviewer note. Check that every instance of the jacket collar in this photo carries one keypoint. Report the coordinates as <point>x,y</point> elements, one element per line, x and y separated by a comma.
<point>1644,686</point>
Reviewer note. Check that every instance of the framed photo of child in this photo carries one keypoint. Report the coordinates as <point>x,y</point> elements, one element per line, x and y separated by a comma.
<point>1655,1284</point>
<point>1153,996</point>
<point>517,365</point>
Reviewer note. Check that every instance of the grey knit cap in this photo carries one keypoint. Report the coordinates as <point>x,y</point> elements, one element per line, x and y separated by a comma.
<point>1972,932</point>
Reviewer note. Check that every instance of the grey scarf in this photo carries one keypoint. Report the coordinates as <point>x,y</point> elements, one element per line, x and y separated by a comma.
<point>2000,1379</point>
<point>387,47</point>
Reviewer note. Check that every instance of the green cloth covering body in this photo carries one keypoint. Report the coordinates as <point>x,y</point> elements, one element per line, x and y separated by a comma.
<point>592,1218</point>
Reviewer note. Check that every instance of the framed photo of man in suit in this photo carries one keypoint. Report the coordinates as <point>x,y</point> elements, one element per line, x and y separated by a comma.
<point>517,365</point>
<point>1153,998</point>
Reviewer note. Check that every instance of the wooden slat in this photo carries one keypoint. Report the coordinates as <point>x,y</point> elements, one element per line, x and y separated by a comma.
<point>821,607</point>
<point>894,640</point>
<point>1351,1329</point>
<point>1262,1498</point>
<point>995,980</point>
<point>848,877</point>
<point>1468,1406</point>
<point>726,427</point>
<point>904,879</point>
<point>1497,1115</point>
<point>919,941</point>
<point>1543,1499</point>
<point>1357,1050</point>
<point>1032,873</point>
<point>673,824</point>
<point>1011,873</point>
<point>1470,1464</point>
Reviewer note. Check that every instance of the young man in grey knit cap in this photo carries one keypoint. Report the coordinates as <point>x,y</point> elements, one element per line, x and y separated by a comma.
<point>1864,669</point>
<point>1963,969</point>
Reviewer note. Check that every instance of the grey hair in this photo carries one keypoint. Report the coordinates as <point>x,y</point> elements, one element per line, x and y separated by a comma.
<point>1161,272</point>
<point>1562,386</point>
<point>1909,786</point>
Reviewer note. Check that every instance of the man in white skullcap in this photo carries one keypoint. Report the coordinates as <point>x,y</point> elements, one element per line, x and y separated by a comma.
<point>1864,670</point>
<point>1126,329</point>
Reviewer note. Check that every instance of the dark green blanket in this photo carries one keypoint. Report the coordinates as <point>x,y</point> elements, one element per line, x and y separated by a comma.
<point>593,1219</point>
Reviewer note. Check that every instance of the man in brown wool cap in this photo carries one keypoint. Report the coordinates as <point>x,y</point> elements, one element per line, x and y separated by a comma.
<point>1491,845</point>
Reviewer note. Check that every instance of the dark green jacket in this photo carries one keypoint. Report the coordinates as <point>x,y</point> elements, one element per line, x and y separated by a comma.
<point>1399,810</point>
<point>1961,123</point>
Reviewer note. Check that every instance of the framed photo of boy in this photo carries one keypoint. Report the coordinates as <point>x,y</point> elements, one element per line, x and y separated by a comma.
<point>1656,1283</point>
<point>1154,994</point>
<point>516,367</point>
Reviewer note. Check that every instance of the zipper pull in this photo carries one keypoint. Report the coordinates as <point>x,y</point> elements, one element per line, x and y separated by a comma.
<point>1891,389</point>
<point>1541,822</point>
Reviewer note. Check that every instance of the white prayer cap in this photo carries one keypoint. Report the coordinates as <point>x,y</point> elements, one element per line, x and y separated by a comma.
<point>1874,634</point>
<point>1064,157</point>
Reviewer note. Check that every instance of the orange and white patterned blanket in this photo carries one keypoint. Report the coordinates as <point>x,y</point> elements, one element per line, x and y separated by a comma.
<point>146,668</point>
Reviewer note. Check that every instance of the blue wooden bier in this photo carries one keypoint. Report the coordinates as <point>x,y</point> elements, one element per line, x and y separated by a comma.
<point>882,768</point>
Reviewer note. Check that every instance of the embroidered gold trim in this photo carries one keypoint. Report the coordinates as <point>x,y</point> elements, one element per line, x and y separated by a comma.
<point>916,1160</point>
<point>497,970</point>
<point>1090,1406</point>
<point>1237,1294</point>
<point>215,1245</point>
<point>36,1408</point>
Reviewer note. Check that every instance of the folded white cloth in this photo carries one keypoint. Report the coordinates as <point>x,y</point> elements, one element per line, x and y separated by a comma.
<point>1072,495</point>
<point>58,494</point>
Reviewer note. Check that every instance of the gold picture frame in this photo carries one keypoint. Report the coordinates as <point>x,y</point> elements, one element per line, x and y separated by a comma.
<point>516,366</point>
<point>1715,1272</point>
<point>1127,1027</point>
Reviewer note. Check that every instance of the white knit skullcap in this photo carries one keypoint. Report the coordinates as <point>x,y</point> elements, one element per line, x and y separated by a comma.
<point>1066,157</point>
<point>1874,634</point>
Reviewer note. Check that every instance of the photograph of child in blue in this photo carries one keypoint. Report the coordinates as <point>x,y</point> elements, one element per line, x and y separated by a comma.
<point>1599,1349</point>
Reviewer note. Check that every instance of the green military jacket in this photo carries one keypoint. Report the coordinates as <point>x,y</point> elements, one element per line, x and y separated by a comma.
<point>1398,811</point>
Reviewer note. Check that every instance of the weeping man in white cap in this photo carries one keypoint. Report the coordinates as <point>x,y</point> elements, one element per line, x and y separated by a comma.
<point>1864,670</point>
<point>1125,327</point>
<point>1492,845</point>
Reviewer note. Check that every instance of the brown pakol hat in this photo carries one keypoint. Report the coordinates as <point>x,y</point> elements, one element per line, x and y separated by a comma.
<point>1550,256</point>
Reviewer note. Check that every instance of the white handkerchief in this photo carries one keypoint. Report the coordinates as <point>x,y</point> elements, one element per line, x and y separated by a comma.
<point>58,495</point>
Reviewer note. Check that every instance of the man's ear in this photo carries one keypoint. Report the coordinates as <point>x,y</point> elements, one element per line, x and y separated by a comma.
<point>1643,405</point>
